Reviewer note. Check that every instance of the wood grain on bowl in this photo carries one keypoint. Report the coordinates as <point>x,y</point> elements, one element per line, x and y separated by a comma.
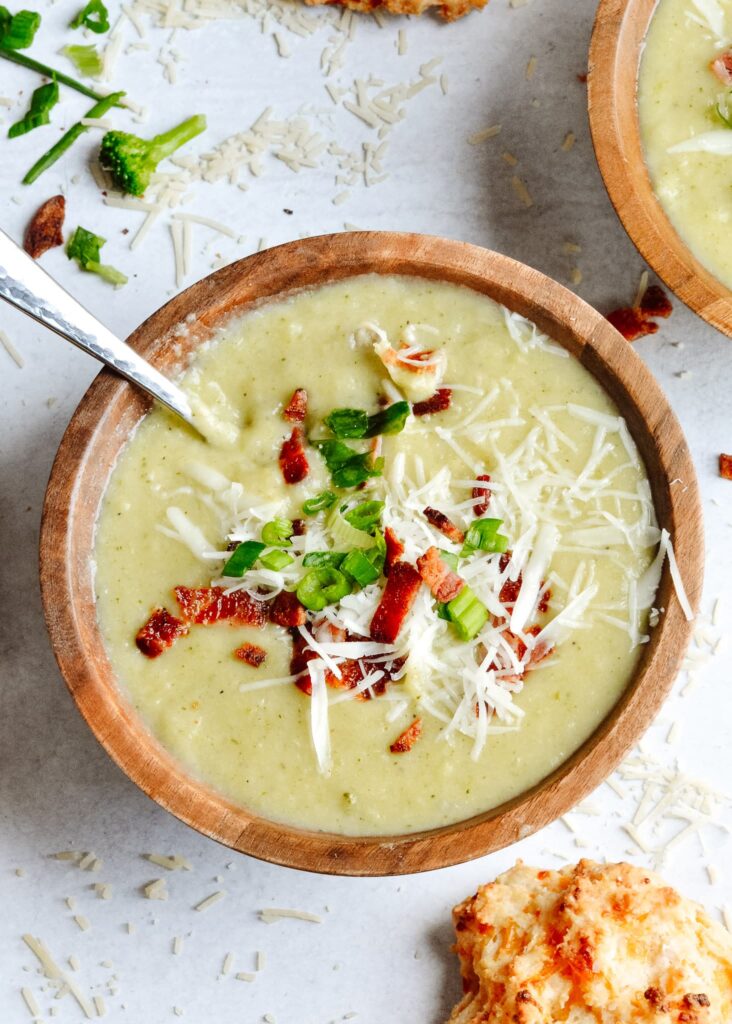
<point>111,409</point>
<point>615,51</point>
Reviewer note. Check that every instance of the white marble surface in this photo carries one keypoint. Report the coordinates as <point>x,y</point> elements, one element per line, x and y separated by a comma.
<point>382,950</point>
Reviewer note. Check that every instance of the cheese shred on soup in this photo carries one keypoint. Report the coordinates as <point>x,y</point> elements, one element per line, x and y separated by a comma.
<point>413,584</point>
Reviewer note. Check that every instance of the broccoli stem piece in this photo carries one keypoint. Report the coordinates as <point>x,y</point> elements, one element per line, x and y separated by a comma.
<point>69,138</point>
<point>167,143</point>
<point>43,69</point>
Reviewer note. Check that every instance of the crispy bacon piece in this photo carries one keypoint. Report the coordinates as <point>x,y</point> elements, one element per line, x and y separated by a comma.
<point>437,403</point>
<point>297,408</point>
<point>406,740</point>
<point>441,522</point>
<point>45,229</point>
<point>656,303</point>
<point>394,549</point>
<point>543,605</point>
<point>438,576</point>
<point>725,466</point>
<point>635,322</point>
<point>293,461</point>
<point>159,632</point>
<point>352,671</point>
<point>401,589</point>
<point>510,589</point>
<point>286,610</point>
<point>251,654</point>
<point>481,496</point>
<point>721,66</point>
<point>204,605</point>
<point>299,527</point>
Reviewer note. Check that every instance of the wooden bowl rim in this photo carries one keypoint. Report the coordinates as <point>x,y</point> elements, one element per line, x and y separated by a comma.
<point>616,45</point>
<point>276,273</point>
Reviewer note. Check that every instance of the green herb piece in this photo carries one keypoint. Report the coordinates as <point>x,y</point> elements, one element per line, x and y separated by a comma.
<point>277,533</point>
<point>348,422</point>
<point>132,161</point>
<point>84,247</point>
<point>355,423</point>
<point>44,98</point>
<point>449,558</point>
<point>276,560</point>
<point>320,502</point>
<point>94,16</point>
<point>359,566</point>
<point>315,559</point>
<point>86,59</point>
<point>365,516</point>
<point>389,421</point>
<point>467,614</point>
<point>69,138</point>
<point>348,468</point>
<point>17,31</point>
<point>483,535</point>
<point>321,587</point>
<point>243,558</point>
<point>43,69</point>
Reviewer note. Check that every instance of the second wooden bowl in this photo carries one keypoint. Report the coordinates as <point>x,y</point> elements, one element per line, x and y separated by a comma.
<point>111,409</point>
<point>615,52</point>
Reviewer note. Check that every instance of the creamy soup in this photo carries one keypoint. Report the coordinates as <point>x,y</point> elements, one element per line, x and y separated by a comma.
<point>515,607</point>
<point>685,110</point>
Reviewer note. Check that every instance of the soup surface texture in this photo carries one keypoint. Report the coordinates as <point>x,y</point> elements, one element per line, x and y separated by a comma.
<point>685,111</point>
<point>504,682</point>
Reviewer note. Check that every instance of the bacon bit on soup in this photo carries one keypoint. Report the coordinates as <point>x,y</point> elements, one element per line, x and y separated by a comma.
<point>635,322</point>
<point>439,402</point>
<point>299,527</point>
<point>204,605</point>
<point>721,66</point>
<point>251,654</point>
<point>397,599</point>
<point>510,589</point>
<point>442,581</point>
<point>406,740</point>
<point>394,549</point>
<point>545,598</point>
<point>293,461</point>
<point>725,467</point>
<point>286,610</point>
<point>481,496</point>
<point>441,522</point>
<point>159,632</point>
<point>45,229</point>
<point>297,408</point>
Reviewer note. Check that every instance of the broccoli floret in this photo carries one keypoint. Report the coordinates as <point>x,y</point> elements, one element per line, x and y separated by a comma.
<point>132,160</point>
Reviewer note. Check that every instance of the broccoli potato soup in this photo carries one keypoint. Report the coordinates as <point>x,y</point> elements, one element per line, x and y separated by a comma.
<point>685,112</point>
<point>413,585</point>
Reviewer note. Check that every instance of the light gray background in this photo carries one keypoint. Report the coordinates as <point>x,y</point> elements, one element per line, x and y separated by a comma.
<point>383,949</point>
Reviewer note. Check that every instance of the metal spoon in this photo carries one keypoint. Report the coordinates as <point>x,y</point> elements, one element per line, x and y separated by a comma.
<point>25,285</point>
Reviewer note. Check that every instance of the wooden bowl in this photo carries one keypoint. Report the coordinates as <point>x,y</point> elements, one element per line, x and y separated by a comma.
<point>110,410</point>
<point>615,51</point>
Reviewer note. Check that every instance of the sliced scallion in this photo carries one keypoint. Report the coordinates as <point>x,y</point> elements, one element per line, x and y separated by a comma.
<point>321,587</point>
<point>467,614</point>
<point>277,533</point>
<point>94,16</point>
<point>356,423</point>
<point>44,98</point>
<point>318,503</point>
<point>243,558</point>
<point>17,31</point>
<point>86,59</point>
<point>315,559</point>
<point>483,535</point>
<point>365,516</point>
<point>359,566</point>
<point>276,559</point>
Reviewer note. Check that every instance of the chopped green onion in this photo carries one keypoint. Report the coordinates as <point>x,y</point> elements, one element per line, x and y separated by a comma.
<point>389,421</point>
<point>483,535</point>
<point>84,247</point>
<point>86,59</point>
<point>43,69</point>
<point>344,535</point>
<point>243,558</point>
<point>358,565</point>
<point>320,502</point>
<point>357,423</point>
<point>348,468</point>
<point>315,559</point>
<point>44,98</point>
<point>365,516</point>
<point>69,138</point>
<point>348,422</point>
<point>321,587</point>
<point>276,559</point>
<point>467,614</point>
<point>17,31</point>
<point>94,16</point>
<point>449,558</point>
<point>277,533</point>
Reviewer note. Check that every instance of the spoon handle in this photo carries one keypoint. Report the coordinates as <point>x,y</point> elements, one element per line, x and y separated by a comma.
<point>25,285</point>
